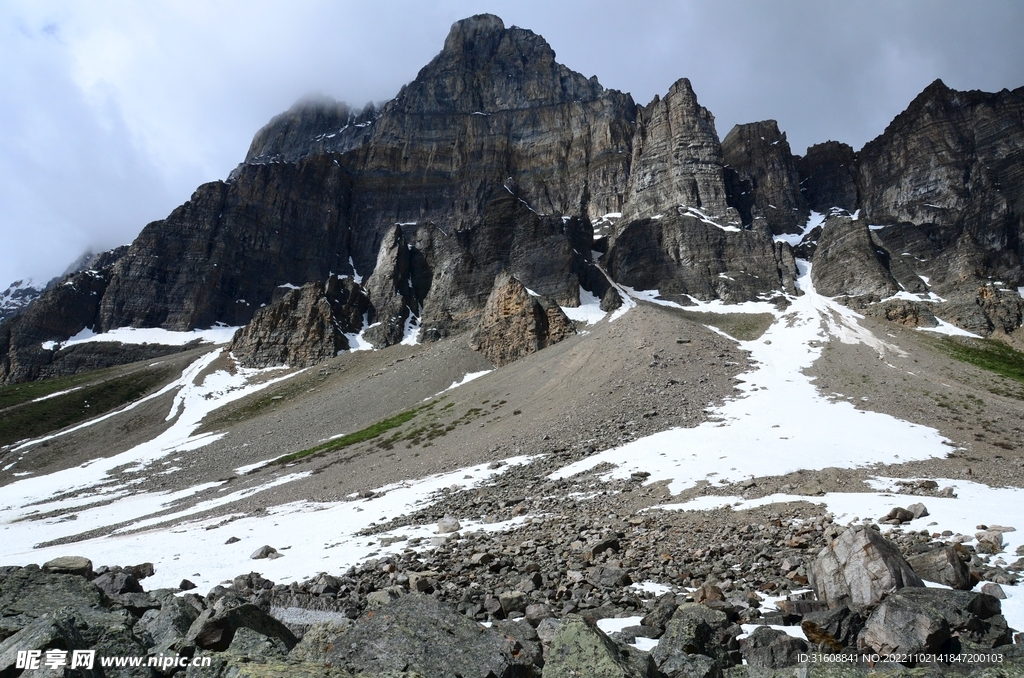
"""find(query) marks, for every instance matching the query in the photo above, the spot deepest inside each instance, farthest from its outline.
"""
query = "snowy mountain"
(18, 295)
(513, 373)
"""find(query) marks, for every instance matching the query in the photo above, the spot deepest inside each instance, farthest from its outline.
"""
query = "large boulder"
(772, 649)
(27, 593)
(50, 631)
(858, 568)
(696, 630)
(515, 323)
(215, 628)
(165, 628)
(833, 630)
(418, 633)
(942, 566)
(581, 650)
(69, 565)
(935, 620)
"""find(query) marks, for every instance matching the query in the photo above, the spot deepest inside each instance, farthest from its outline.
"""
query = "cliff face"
(493, 134)
(677, 159)
(828, 177)
(222, 254)
(498, 158)
(953, 164)
(760, 155)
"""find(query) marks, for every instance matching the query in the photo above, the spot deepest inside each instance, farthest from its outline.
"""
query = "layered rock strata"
(496, 157)
(759, 154)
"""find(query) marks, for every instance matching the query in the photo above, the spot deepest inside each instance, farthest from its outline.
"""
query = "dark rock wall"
(954, 160)
(846, 261)
(760, 155)
(685, 255)
(222, 254)
(828, 177)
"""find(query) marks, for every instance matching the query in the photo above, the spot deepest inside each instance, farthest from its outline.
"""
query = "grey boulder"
(942, 566)
(858, 568)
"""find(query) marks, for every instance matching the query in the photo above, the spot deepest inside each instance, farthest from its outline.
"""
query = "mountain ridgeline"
(498, 159)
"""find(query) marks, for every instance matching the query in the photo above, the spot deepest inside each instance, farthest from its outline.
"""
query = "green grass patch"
(741, 326)
(17, 394)
(362, 435)
(987, 354)
(30, 420)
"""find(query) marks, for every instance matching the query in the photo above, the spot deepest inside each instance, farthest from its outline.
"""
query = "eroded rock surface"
(515, 323)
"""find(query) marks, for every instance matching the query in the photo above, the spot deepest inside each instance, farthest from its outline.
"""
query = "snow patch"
(219, 334)
(58, 393)
(589, 311)
(468, 377)
(186, 547)
(705, 218)
(410, 337)
(794, 239)
(948, 329)
(758, 434)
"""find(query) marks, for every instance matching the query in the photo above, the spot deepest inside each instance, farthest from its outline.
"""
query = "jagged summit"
(485, 67)
(498, 158)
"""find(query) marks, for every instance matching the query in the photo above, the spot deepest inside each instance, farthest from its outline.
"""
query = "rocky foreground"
(532, 603)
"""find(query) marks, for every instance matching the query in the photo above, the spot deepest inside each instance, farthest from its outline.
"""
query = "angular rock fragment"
(935, 620)
(696, 630)
(835, 629)
(514, 323)
(771, 649)
(70, 565)
(580, 649)
(424, 635)
(858, 568)
(942, 566)
(215, 628)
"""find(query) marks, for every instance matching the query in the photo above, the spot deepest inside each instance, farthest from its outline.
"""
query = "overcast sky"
(113, 112)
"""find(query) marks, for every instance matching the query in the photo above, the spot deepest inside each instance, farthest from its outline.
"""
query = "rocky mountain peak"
(760, 155)
(677, 158)
(476, 33)
(485, 67)
(313, 123)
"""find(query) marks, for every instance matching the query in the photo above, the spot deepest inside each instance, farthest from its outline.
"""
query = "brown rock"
(302, 328)
(515, 323)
